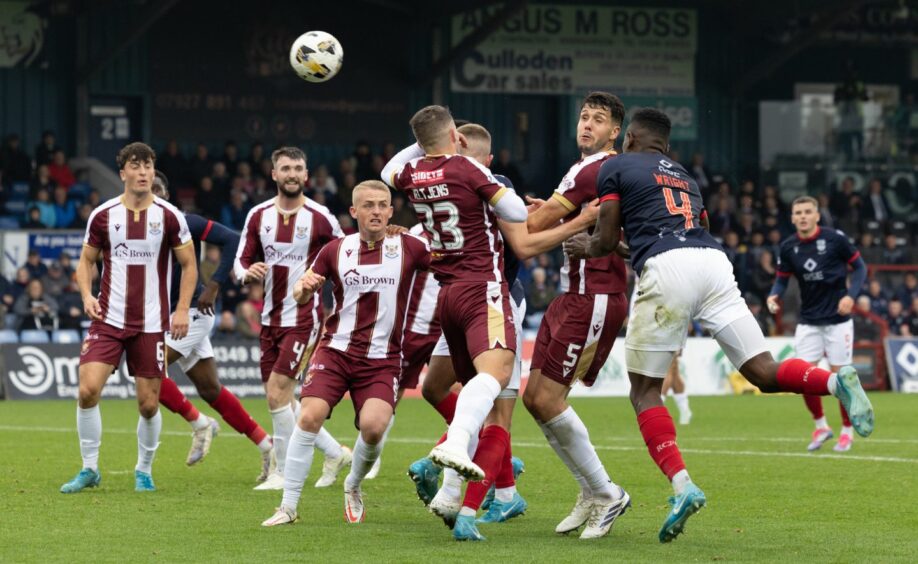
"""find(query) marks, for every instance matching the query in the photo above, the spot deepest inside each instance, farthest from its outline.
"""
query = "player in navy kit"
(819, 258)
(685, 275)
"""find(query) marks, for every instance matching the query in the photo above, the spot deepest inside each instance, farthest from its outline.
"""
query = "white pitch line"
(430, 441)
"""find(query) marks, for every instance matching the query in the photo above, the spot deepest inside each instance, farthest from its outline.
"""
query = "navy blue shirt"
(511, 261)
(203, 229)
(660, 202)
(820, 264)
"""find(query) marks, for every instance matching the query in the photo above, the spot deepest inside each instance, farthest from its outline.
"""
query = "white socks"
(201, 422)
(148, 441)
(283, 421)
(365, 455)
(89, 430)
(832, 384)
(329, 446)
(452, 483)
(299, 459)
(266, 444)
(574, 439)
(680, 480)
(821, 423)
(475, 402)
(585, 490)
(681, 402)
(504, 495)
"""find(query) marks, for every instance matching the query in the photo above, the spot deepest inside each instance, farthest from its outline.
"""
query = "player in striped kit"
(135, 235)
(361, 351)
(280, 238)
(195, 355)
(580, 326)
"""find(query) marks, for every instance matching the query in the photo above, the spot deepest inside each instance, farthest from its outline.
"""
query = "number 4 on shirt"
(684, 208)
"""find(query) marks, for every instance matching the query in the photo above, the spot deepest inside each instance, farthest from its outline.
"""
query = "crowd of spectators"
(750, 220)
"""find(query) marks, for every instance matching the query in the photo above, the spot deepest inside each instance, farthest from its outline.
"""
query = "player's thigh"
(146, 355)
(809, 343)
(839, 340)
(478, 318)
(100, 353)
(416, 351)
(369, 385)
(663, 308)
(496, 362)
(373, 419)
(742, 340)
(439, 379)
(203, 374)
(313, 413)
(279, 390)
(327, 377)
(147, 390)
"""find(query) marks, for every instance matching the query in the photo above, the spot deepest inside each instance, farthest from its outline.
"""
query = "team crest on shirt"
(391, 251)
(821, 246)
(301, 232)
(155, 227)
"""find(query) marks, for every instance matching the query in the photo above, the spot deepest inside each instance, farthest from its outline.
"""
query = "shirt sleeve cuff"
(568, 205)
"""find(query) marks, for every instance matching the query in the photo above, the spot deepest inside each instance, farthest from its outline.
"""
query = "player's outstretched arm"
(84, 275)
(214, 233)
(189, 263)
(306, 286)
(527, 245)
(606, 235)
(398, 162)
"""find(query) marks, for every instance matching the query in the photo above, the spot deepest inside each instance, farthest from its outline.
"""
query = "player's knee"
(761, 373)
(373, 430)
(148, 407)
(309, 421)
(89, 395)
(433, 393)
(542, 405)
(277, 397)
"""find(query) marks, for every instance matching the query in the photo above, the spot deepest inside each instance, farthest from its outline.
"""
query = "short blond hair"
(804, 200)
(370, 185)
(430, 125)
(479, 140)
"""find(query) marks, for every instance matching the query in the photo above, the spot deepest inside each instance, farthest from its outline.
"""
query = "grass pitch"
(768, 499)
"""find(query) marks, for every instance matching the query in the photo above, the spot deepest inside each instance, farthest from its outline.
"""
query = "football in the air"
(316, 56)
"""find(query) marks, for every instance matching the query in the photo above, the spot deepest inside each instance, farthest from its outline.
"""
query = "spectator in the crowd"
(345, 166)
(388, 151)
(15, 163)
(201, 164)
(65, 212)
(42, 181)
(44, 152)
(503, 165)
(35, 308)
(771, 208)
(865, 328)
(746, 227)
(892, 252)
(910, 329)
(876, 206)
(248, 313)
(909, 289)
(734, 253)
(33, 219)
(320, 180)
(66, 263)
(849, 96)
(174, 165)
(363, 162)
(762, 277)
(233, 214)
(262, 193)
(244, 177)
(773, 240)
(540, 292)
(746, 205)
(42, 201)
(346, 189)
(879, 299)
(347, 223)
(869, 248)
(70, 310)
(377, 164)
(207, 200)
(895, 316)
(230, 157)
(210, 263)
(94, 198)
(825, 213)
(547, 263)
(8, 295)
(55, 281)
(402, 213)
(724, 192)
(34, 265)
(221, 180)
(256, 155)
(845, 204)
(766, 322)
(82, 218)
(60, 171)
(266, 168)
(701, 173)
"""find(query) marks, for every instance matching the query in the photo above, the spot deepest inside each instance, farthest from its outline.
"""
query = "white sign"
(548, 49)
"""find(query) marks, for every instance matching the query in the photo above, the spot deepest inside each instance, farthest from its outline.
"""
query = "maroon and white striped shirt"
(371, 285)
(286, 244)
(136, 250)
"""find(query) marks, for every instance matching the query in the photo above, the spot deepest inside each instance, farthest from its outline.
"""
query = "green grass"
(767, 498)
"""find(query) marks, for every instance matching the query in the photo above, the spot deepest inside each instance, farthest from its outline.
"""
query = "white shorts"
(513, 388)
(195, 345)
(833, 342)
(676, 287)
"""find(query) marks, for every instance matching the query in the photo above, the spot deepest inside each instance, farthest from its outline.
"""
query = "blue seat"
(79, 191)
(16, 207)
(10, 320)
(34, 336)
(65, 336)
(8, 222)
(8, 336)
(19, 191)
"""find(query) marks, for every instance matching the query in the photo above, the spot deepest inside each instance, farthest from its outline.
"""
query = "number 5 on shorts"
(573, 351)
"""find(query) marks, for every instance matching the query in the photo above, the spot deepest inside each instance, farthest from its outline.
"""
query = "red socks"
(175, 401)
(801, 377)
(447, 407)
(505, 476)
(814, 404)
(660, 437)
(230, 408)
(494, 443)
